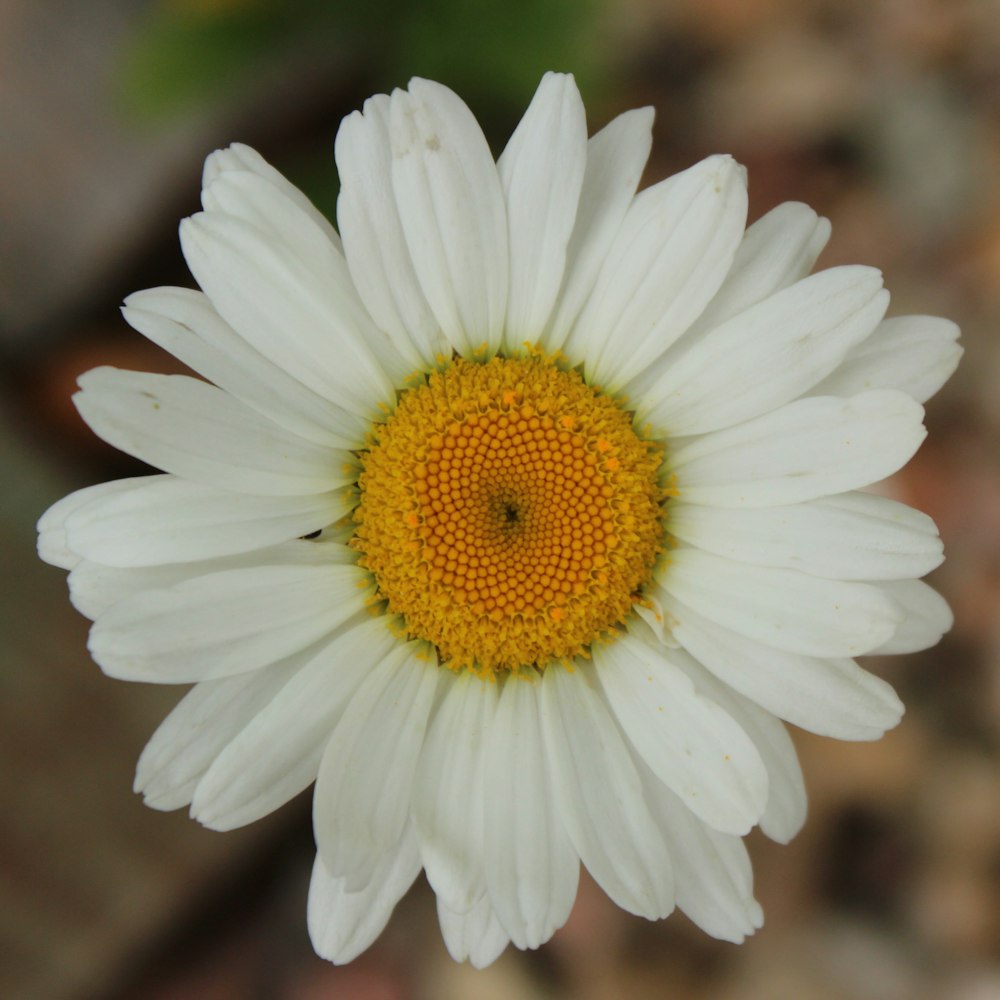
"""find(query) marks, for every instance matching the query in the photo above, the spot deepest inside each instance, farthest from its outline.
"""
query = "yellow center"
(509, 513)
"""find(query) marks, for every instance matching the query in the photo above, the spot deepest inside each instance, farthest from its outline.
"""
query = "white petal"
(184, 322)
(673, 249)
(783, 608)
(928, 617)
(362, 801)
(277, 753)
(768, 355)
(189, 428)
(203, 722)
(689, 741)
(342, 924)
(541, 172)
(241, 157)
(474, 935)
(452, 211)
(712, 873)
(449, 791)
(163, 519)
(786, 798)
(810, 448)
(831, 697)
(915, 354)
(850, 536)
(531, 868)
(225, 623)
(293, 303)
(599, 795)
(616, 157)
(52, 542)
(95, 587)
(778, 250)
(377, 256)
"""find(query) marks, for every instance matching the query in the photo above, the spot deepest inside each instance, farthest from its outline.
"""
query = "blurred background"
(884, 115)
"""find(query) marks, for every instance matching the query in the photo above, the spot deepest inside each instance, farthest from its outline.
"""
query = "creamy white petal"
(377, 255)
(184, 322)
(364, 788)
(915, 354)
(203, 722)
(599, 795)
(449, 791)
(452, 212)
(541, 172)
(786, 799)
(850, 536)
(767, 355)
(294, 303)
(670, 255)
(532, 870)
(225, 623)
(690, 742)
(783, 608)
(779, 249)
(53, 545)
(928, 616)
(277, 753)
(616, 157)
(242, 157)
(164, 519)
(95, 587)
(829, 696)
(810, 448)
(194, 430)
(342, 924)
(474, 935)
(712, 873)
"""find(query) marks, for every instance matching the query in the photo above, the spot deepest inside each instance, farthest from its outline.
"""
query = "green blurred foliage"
(190, 54)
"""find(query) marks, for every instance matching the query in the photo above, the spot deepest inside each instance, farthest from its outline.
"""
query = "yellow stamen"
(509, 513)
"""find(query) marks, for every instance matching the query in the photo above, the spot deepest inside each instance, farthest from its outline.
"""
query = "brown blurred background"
(884, 115)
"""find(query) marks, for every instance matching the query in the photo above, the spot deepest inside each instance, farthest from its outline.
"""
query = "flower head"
(517, 514)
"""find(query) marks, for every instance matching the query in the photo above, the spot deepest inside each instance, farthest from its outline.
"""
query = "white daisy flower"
(517, 515)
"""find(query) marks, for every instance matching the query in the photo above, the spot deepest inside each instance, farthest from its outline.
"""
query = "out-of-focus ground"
(885, 116)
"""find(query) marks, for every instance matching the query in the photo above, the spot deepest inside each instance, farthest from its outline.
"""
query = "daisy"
(517, 513)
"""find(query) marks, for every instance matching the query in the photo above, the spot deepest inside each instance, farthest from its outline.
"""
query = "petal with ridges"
(532, 870)
(225, 623)
(809, 448)
(452, 212)
(616, 157)
(52, 540)
(449, 790)
(377, 256)
(672, 251)
(691, 743)
(781, 607)
(189, 428)
(164, 519)
(928, 616)
(599, 795)
(342, 924)
(712, 873)
(914, 354)
(850, 536)
(474, 935)
(541, 172)
(199, 728)
(295, 304)
(829, 696)
(364, 789)
(277, 754)
(767, 355)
